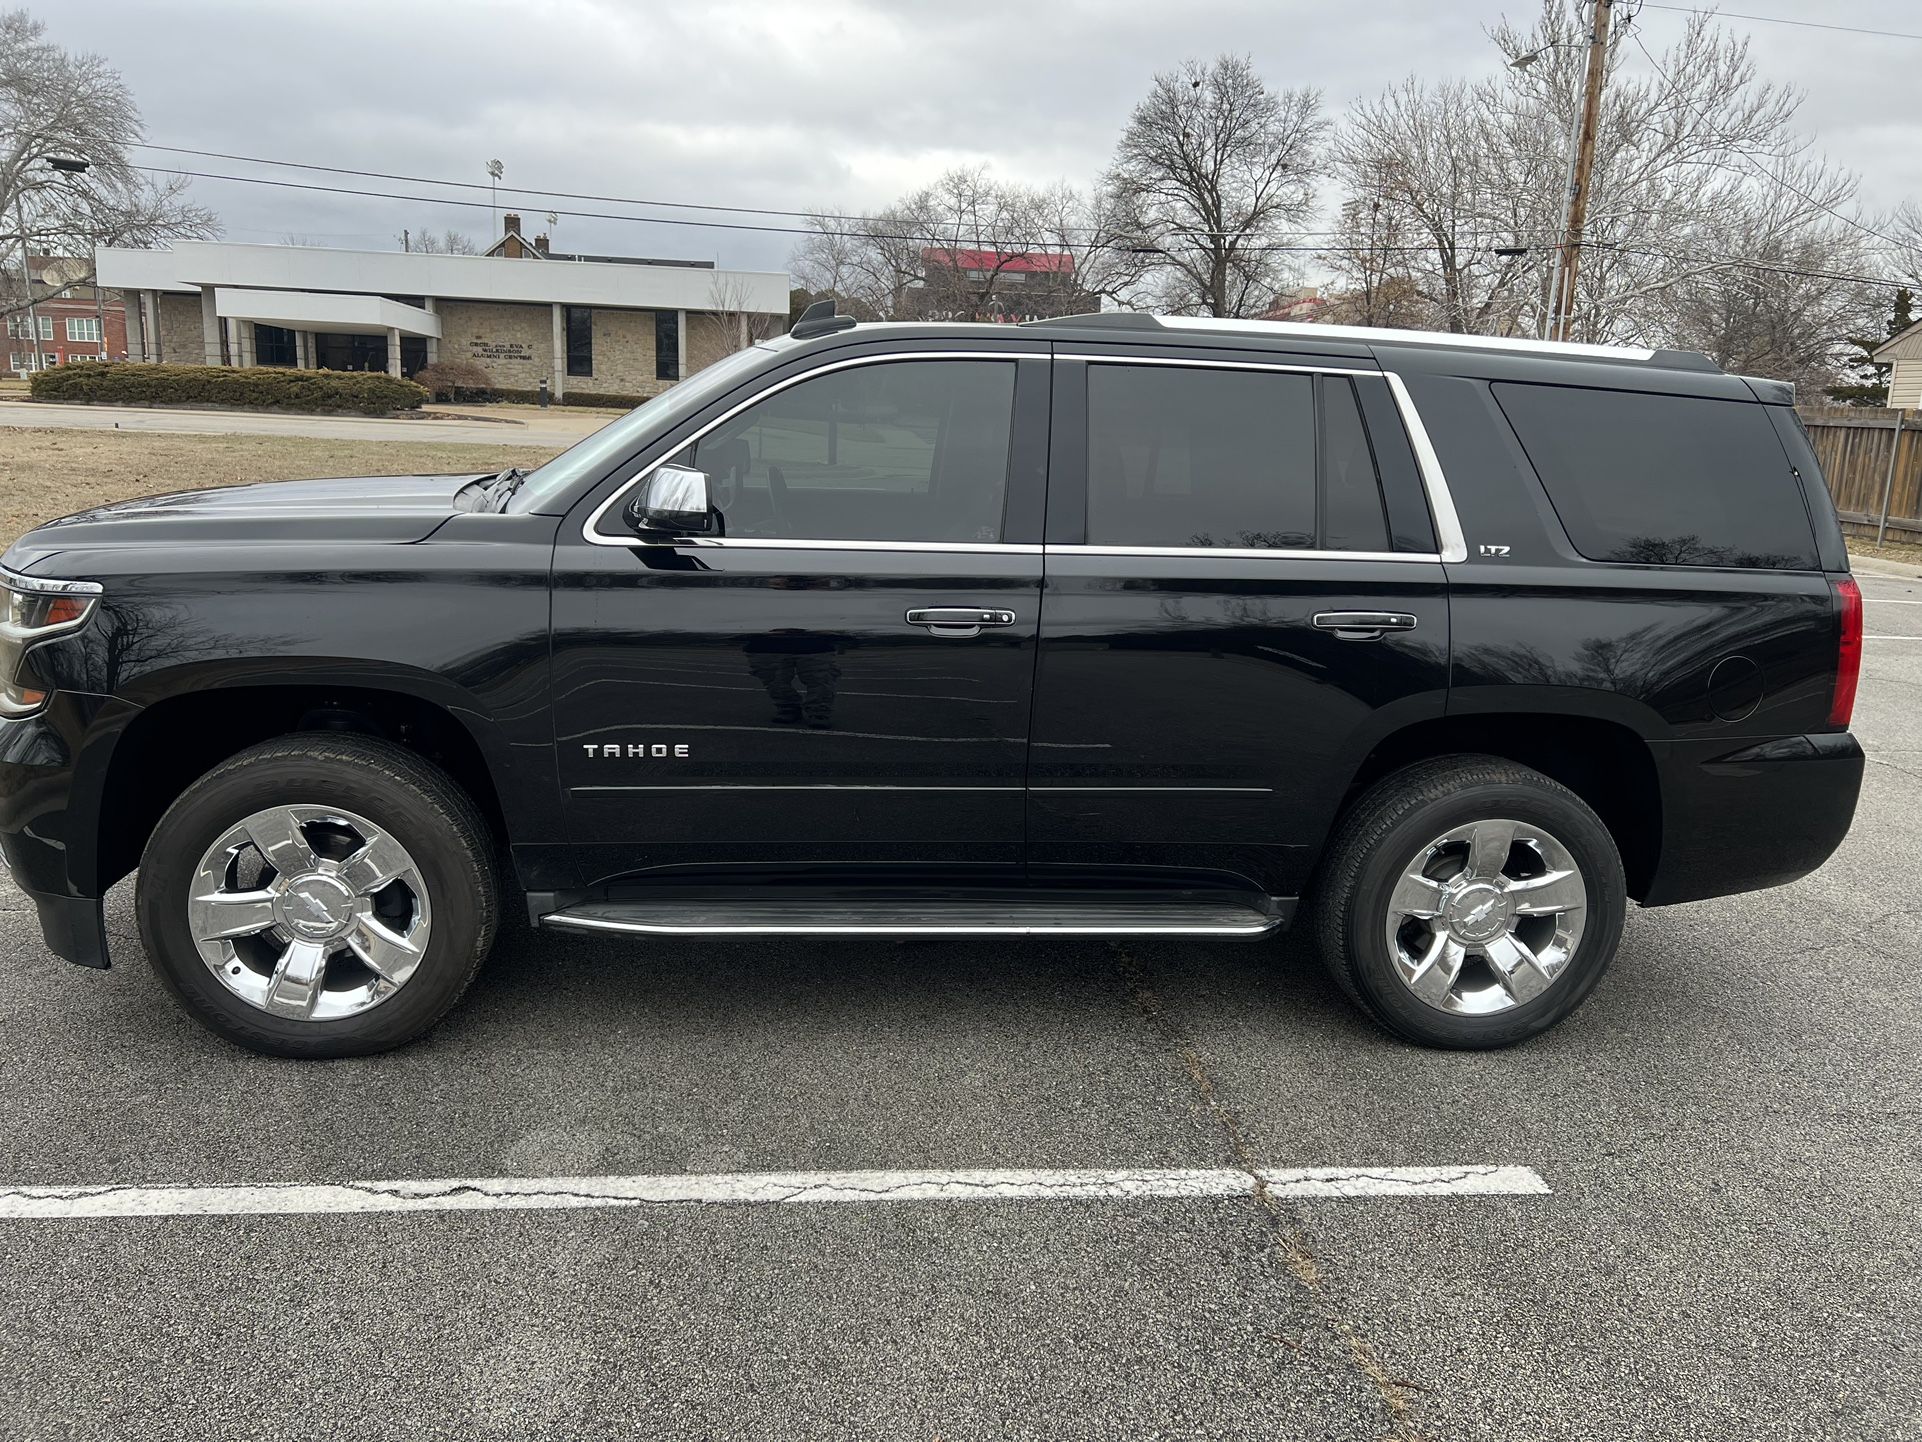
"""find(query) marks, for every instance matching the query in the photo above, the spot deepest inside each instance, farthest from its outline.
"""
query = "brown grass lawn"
(48, 473)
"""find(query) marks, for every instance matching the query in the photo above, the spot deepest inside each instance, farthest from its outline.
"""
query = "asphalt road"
(514, 426)
(1729, 1129)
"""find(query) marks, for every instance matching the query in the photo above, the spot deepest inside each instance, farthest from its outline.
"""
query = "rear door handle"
(1363, 625)
(960, 622)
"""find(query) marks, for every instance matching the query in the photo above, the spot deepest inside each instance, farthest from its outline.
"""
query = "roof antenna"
(820, 319)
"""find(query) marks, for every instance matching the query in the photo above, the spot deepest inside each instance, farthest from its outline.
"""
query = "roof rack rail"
(1379, 335)
(1102, 320)
(820, 319)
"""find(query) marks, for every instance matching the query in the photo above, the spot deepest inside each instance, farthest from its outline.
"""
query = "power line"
(511, 189)
(530, 190)
(1780, 20)
(1731, 262)
(951, 242)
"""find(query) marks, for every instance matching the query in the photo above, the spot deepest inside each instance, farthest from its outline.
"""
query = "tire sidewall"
(1562, 816)
(448, 867)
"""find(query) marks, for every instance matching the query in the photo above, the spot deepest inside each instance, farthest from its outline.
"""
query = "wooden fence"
(1853, 445)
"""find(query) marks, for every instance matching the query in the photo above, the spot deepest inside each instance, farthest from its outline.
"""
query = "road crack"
(1285, 1226)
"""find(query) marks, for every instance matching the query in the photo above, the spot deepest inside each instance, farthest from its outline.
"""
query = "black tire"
(416, 803)
(1387, 828)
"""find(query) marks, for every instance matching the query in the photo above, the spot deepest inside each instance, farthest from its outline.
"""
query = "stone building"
(597, 325)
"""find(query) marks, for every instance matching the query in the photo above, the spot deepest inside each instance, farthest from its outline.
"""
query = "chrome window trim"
(590, 528)
(1441, 502)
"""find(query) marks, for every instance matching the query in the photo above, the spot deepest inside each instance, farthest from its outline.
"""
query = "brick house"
(76, 320)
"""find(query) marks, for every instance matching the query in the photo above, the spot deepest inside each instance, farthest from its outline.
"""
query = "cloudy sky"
(834, 104)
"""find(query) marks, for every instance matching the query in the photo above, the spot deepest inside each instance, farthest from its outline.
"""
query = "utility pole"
(1584, 168)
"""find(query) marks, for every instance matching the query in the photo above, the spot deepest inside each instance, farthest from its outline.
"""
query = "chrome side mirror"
(673, 499)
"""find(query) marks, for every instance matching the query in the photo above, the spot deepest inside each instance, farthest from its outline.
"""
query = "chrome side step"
(1183, 915)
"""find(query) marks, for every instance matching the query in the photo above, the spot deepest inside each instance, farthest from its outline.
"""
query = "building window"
(20, 327)
(84, 328)
(580, 341)
(667, 345)
(275, 345)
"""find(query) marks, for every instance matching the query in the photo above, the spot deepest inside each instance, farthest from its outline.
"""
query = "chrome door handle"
(1363, 625)
(960, 622)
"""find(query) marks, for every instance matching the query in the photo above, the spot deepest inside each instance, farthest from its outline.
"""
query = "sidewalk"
(515, 425)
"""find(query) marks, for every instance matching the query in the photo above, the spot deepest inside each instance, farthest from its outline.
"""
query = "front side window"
(1190, 457)
(896, 451)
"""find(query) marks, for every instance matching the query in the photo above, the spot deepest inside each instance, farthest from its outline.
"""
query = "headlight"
(36, 610)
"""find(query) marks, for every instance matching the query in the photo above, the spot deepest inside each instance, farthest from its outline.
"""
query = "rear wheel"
(1470, 902)
(319, 895)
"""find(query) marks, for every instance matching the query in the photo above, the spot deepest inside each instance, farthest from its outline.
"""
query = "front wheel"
(319, 895)
(1470, 902)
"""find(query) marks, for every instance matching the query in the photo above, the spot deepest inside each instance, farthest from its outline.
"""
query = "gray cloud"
(827, 103)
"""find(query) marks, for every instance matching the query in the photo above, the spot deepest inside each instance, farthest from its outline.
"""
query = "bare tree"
(59, 106)
(1214, 173)
(967, 245)
(448, 242)
(729, 324)
(1702, 187)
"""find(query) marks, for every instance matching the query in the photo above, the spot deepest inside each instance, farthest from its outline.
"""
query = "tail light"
(1848, 651)
(35, 609)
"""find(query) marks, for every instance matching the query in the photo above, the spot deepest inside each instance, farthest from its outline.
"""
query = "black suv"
(1105, 625)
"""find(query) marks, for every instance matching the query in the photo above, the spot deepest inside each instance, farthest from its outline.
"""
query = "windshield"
(546, 489)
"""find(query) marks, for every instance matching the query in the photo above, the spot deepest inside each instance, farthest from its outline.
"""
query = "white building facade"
(605, 326)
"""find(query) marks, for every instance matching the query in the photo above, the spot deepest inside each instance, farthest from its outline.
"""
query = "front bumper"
(1753, 817)
(48, 821)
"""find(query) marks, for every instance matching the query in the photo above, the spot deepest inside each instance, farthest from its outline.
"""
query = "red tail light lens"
(1848, 654)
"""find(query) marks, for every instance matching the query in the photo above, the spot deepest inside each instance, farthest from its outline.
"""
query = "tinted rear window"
(1663, 480)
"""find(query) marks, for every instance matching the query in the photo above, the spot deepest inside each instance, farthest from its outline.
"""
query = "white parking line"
(479, 1194)
(1892, 638)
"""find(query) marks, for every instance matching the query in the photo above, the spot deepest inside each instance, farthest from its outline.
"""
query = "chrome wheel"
(1486, 917)
(309, 912)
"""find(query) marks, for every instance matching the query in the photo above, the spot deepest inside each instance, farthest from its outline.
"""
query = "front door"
(843, 675)
(1243, 597)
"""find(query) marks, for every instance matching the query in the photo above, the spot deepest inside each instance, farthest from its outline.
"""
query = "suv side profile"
(1114, 624)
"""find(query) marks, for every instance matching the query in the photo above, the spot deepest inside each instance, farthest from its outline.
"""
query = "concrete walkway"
(529, 427)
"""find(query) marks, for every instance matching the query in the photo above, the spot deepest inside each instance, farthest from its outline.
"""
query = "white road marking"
(1891, 601)
(1892, 638)
(470, 1194)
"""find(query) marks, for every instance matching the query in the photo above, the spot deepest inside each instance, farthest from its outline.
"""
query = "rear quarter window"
(1663, 480)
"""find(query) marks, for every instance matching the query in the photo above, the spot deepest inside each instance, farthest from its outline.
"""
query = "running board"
(1184, 915)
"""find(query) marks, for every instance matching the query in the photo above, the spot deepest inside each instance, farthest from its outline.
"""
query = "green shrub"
(265, 387)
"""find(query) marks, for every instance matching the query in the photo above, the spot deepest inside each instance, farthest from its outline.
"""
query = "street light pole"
(26, 278)
(66, 166)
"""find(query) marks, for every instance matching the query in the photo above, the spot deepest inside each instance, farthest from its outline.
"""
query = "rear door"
(1244, 594)
(844, 675)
